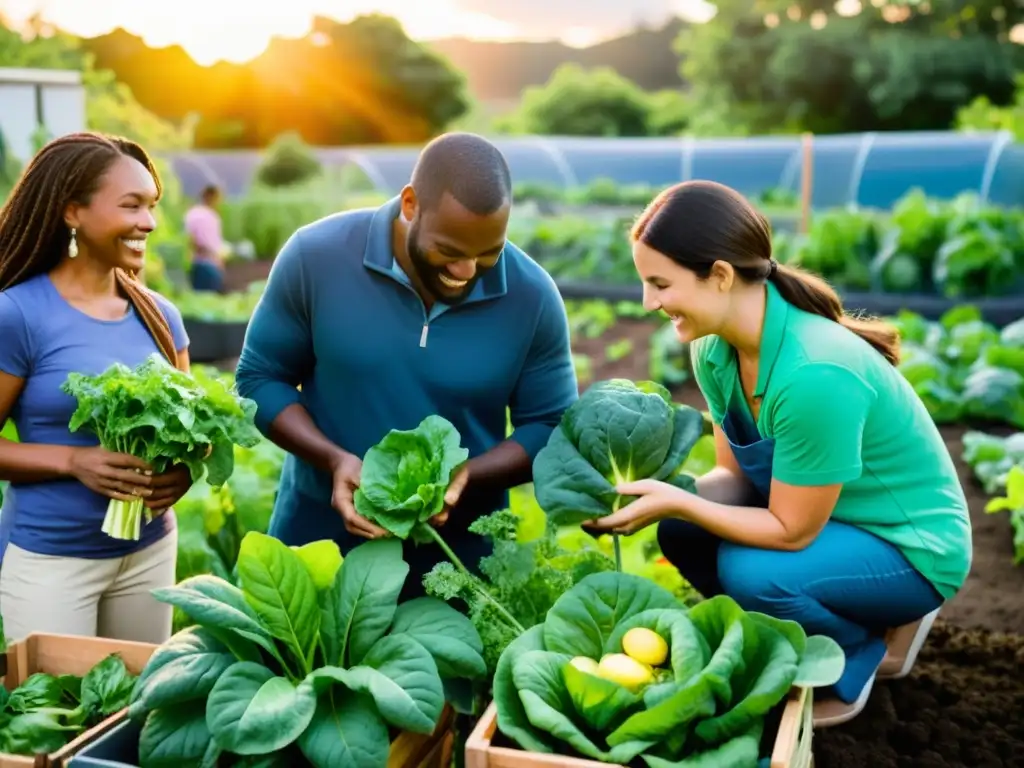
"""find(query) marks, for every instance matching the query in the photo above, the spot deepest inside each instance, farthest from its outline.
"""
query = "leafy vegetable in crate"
(45, 712)
(165, 417)
(620, 671)
(618, 431)
(308, 661)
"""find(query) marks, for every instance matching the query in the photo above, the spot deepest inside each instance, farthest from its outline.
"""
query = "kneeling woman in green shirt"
(834, 502)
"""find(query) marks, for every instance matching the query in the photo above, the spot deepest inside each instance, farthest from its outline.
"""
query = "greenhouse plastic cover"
(866, 169)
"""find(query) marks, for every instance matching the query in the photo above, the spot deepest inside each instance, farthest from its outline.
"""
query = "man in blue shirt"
(374, 319)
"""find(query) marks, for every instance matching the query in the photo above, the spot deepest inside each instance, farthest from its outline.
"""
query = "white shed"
(53, 98)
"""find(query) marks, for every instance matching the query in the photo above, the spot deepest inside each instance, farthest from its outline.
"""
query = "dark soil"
(963, 704)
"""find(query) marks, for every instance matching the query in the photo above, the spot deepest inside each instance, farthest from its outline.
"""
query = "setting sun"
(239, 30)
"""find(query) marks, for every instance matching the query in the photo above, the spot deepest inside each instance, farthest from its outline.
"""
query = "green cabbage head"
(618, 431)
(726, 670)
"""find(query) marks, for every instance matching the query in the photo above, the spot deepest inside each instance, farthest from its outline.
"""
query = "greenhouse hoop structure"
(862, 169)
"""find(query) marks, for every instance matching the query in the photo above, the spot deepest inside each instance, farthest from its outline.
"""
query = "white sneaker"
(829, 712)
(904, 644)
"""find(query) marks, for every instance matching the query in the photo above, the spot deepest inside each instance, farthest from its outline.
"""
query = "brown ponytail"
(150, 314)
(697, 223)
(810, 293)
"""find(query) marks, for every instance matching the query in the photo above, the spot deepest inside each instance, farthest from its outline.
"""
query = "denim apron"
(753, 453)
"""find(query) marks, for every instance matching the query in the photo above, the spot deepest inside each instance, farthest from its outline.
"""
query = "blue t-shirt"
(45, 339)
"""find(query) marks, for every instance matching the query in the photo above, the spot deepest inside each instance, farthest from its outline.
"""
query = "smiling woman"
(72, 236)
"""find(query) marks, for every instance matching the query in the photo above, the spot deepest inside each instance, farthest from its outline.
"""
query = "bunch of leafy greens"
(524, 577)
(405, 477)
(728, 669)
(403, 484)
(311, 661)
(618, 431)
(165, 417)
(47, 711)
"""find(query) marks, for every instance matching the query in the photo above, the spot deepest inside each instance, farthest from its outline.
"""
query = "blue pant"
(848, 584)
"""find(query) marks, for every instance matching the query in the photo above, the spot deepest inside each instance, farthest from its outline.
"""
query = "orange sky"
(238, 30)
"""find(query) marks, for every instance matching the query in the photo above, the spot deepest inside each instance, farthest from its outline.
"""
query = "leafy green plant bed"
(963, 368)
(311, 661)
(955, 250)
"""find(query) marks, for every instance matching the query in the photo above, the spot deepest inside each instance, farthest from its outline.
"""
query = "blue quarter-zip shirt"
(340, 330)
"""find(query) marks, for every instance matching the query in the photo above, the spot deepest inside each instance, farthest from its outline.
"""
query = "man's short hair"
(466, 166)
(210, 190)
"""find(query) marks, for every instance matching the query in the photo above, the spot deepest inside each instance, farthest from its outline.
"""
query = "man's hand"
(460, 479)
(346, 479)
(168, 488)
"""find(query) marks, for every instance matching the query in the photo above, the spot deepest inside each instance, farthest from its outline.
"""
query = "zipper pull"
(423, 335)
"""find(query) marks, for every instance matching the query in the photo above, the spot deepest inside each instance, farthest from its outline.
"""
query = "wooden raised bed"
(792, 743)
(67, 655)
(119, 747)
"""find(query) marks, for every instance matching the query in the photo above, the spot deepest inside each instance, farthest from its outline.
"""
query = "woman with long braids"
(834, 501)
(72, 237)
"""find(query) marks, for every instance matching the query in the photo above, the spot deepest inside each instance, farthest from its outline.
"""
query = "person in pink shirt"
(203, 225)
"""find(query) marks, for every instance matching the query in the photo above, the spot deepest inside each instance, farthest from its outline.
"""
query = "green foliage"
(165, 417)
(983, 115)
(1013, 504)
(284, 669)
(617, 432)
(287, 161)
(406, 475)
(963, 368)
(47, 711)
(959, 248)
(596, 102)
(526, 576)
(776, 66)
(728, 670)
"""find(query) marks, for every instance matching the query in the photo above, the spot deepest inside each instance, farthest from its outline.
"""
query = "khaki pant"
(78, 596)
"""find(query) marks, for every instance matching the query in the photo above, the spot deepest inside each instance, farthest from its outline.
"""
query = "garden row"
(294, 656)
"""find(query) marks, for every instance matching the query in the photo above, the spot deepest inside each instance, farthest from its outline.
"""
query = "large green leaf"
(251, 711)
(401, 678)
(215, 604)
(448, 635)
(177, 736)
(512, 719)
(345, 730)
(183, 669)
(277, 585)
(363, 600)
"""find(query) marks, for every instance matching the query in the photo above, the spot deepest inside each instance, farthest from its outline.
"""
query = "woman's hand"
(657, 500)
(168, 488)
(114, 475)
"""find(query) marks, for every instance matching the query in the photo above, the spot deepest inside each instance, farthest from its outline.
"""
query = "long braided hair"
(33, 235)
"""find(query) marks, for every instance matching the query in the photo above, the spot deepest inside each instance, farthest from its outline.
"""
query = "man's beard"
(429, 275)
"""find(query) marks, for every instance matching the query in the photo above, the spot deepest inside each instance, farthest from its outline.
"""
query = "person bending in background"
(373, 320)
(72, 235)
(834, 502)
(203, 226)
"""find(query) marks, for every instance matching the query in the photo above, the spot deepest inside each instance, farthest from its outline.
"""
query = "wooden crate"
(418, 750)
(67, 655)
(792, 744)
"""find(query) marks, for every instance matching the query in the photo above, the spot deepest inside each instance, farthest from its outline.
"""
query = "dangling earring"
(73, 245)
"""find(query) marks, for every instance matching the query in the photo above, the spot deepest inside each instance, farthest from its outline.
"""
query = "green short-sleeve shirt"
(840, 413)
